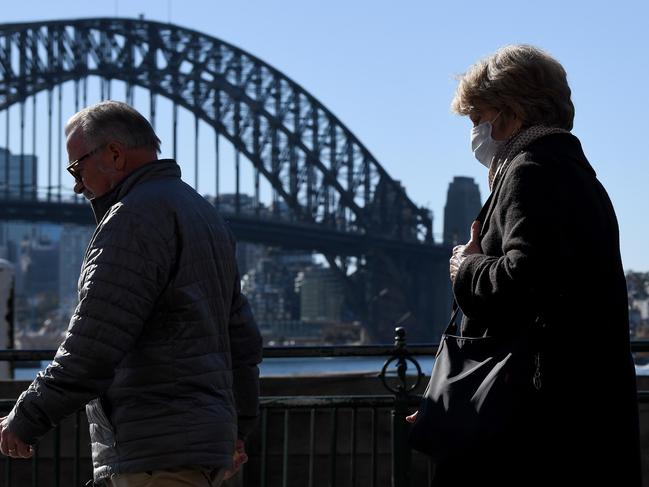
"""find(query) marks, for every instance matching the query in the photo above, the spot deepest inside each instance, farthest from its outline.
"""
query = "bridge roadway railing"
(301, 440)
(266, 228)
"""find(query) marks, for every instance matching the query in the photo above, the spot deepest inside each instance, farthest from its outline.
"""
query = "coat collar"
(158, 169)
(564, 143)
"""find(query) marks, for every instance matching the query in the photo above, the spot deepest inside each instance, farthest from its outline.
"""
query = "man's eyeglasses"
(72, 167)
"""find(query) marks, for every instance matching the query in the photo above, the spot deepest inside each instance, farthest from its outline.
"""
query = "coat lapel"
(488, 208)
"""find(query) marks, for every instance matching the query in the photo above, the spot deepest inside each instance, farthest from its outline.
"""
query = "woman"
(547, 249)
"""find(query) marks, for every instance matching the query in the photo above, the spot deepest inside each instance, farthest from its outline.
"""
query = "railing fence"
(312, 441)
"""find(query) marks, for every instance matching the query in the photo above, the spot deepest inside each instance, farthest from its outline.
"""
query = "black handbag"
(478, 394)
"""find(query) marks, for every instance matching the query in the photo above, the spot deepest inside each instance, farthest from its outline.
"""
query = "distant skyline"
(387, 70)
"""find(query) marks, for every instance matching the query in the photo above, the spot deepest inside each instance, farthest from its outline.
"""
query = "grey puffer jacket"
(162, 345)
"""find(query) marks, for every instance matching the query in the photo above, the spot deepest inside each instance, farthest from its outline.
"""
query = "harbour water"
(309, 366)
(300, 366)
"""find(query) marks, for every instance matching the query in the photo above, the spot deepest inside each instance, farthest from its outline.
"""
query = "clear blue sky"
(387, 68)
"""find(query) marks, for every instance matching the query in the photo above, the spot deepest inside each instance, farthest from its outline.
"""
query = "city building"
(322, 295)
(16, 239)
(248, 254)
(227, 203)
(270, 289)
(72, 247)
(638, 294)
(39, 258)
(462, 207)
(18, 174)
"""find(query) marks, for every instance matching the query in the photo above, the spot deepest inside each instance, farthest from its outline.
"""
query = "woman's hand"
(460, 252)
(413, 417)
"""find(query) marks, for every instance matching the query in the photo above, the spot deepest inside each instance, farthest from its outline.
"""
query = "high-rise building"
(322, 295)
(462, 207)
(270, 289)
(42, 266)
(16, 242)
(18, 174)
(72, 246)
(248, 254)
(638, 292)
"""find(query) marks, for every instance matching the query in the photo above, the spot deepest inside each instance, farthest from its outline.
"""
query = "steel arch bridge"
(329, 193)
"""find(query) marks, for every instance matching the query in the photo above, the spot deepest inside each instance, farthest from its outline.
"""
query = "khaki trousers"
(174, 477)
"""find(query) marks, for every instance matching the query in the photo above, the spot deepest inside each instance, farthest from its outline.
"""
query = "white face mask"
(483, 145)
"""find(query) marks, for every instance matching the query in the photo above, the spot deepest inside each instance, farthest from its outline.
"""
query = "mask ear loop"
(515, 131)
(493, 171)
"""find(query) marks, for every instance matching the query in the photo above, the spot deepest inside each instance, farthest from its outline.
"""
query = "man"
(162, 346)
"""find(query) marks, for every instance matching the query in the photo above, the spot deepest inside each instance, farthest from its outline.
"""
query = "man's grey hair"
(113, 121)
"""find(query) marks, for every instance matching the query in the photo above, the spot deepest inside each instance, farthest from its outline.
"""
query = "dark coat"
(162, 344)
(551, 250)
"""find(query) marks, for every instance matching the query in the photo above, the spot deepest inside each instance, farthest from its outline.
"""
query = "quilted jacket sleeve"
(246, 348)
(125, 270)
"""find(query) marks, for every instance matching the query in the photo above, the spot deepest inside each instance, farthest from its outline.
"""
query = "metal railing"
(309, 441)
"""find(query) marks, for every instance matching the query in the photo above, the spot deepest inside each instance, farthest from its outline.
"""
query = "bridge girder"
(315, 164)
(341, 201)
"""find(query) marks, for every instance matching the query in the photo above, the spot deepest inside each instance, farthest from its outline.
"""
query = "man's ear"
(117, 153)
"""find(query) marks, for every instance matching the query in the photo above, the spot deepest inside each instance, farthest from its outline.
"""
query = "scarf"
(514, 146)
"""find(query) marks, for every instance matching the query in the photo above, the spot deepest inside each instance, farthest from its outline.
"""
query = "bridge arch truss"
(315, 165)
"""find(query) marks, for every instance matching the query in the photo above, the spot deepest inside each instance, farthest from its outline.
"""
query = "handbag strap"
(451, 328)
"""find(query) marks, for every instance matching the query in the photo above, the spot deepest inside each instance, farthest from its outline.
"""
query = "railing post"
(400, 448)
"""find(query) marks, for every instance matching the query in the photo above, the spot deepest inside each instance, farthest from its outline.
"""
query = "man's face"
(94, 172)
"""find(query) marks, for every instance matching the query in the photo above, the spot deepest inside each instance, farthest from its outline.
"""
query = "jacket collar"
(158, 169)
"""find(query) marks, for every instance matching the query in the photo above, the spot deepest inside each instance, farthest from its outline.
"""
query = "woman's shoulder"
(525, 166)
(558, 151)
(548, 147)
(554, 155)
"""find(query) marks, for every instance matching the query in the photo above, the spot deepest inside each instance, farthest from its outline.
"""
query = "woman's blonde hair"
(521, 80)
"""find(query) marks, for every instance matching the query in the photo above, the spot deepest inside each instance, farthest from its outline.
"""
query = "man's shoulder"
(150, 206)
(159, 198)
(168, 205)
(155, 191)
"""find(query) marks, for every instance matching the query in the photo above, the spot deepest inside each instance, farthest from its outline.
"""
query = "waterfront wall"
(348, 439)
